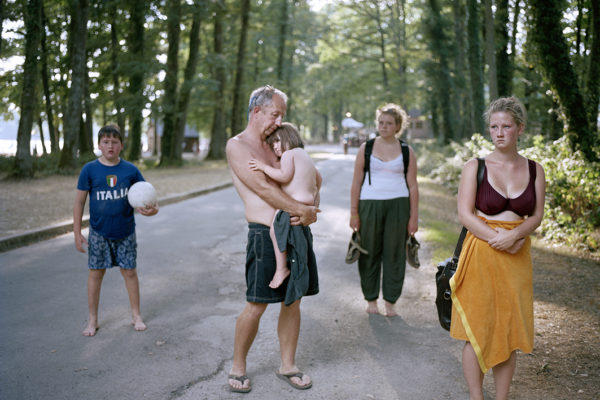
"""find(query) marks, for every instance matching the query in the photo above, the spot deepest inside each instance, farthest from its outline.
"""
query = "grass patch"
(438, 219)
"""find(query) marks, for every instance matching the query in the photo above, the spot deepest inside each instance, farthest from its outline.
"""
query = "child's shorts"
(105, 253)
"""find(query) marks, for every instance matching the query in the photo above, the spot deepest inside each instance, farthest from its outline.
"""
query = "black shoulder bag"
(447, 268)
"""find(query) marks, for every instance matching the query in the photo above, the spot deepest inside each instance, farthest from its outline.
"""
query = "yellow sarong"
(492, 299)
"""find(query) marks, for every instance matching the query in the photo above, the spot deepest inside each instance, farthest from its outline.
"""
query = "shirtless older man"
(261, 197)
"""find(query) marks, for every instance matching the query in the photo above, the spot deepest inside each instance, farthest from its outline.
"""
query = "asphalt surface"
(191, 267)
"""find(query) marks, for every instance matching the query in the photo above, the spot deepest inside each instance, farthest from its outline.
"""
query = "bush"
(448, 172)
(572, 208)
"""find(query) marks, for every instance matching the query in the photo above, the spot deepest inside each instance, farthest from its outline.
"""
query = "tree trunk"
(475, 67)
(23, 165)
(1, 20)
(443, 89)
(283, 23)
(490, 50)
(41, 126)
(114, 63)
(172, 68)
(188, 79)
(515, 28)
(553, 51)
(54, 148)
(593, 74)
(136, 79)
(68, 155)
(87, 145)
(382, 59)
(237, 109)
(218, 133)
(461, 98)
(503, 61)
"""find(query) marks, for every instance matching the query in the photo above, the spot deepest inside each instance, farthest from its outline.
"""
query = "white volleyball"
(142, 194)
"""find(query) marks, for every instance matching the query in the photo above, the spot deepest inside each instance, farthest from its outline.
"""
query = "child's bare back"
(304, 184)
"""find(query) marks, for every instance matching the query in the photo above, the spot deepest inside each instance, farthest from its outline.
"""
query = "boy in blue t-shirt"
(111, 239)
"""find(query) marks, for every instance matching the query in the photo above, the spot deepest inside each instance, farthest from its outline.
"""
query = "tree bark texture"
(172, 69)
(503, 61)
(23, 165)
(218, 132)
(553, 52)
(1, 20)
(475, 67)
(593, 74)
(136, 79)
(237, 112)
(69, 153)
(54, 147)
(461, 97)
(188, 79)
(283, 23)
(114, 63)
(490, 50)
(439, 50)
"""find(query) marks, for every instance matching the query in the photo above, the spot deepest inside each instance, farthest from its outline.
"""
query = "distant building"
(191, 138)
(419, 126)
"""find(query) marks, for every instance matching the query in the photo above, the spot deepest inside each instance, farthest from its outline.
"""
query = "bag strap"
(463, 232)
(369, 150)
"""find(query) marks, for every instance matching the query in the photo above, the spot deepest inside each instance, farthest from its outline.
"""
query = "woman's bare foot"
(91, 328)
(296, 379)
(279, 277)
(238, 383)
(389, 310)
(372, 307)
(138, 323)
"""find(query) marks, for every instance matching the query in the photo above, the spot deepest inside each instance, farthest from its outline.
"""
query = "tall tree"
(171, 71)
(503, 61)
(23, 166)
(136, 77)
(490, 49)
(593, 73)
(78, 35)
(115, 64)
(46, 85)
(438, 43)
(283, 24)
(382, 46)
(553, 52)
(475, 67)
(1, 21)
(461, 97)
(218, 134)
(188, 78)
(237, 109)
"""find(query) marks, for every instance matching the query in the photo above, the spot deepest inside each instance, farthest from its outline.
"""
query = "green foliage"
(448, 172)
(572, 209)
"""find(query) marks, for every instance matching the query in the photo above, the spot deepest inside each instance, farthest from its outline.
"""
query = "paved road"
(191, 258)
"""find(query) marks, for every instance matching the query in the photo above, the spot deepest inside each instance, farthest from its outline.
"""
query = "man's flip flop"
(240, 379)
(288, 379)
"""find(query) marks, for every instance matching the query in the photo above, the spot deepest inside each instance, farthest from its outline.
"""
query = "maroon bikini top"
(490, 202)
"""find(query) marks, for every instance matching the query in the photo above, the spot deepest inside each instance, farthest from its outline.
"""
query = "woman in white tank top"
(384, 210)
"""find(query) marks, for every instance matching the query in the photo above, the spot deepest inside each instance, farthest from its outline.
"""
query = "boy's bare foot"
(278, 278)
(138, 323)
(372, 307)
(389, 310)
(91, 329)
